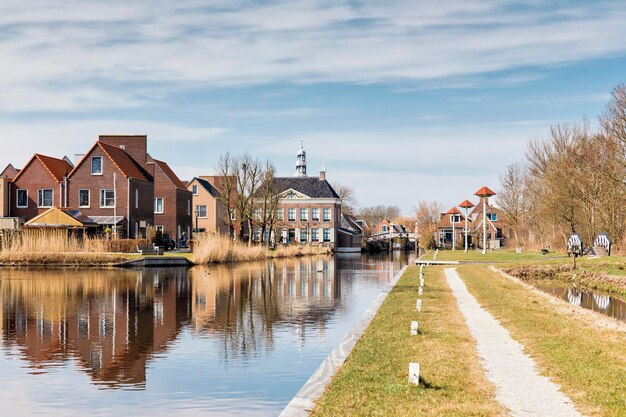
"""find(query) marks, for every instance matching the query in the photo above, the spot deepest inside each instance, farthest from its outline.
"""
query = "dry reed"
(53, 247)
(214, 248)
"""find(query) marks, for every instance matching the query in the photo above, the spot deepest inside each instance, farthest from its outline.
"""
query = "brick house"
(113, 189)
(451, 229)
(40, 185)
(497, 227)
(172, 201)
(209, 213)
(384, 227)
(9, 172)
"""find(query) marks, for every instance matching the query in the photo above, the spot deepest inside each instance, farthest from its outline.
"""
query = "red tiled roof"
(58, 168)
(171, 175)
(484, 192)
(453, 210)
(123, 162)
(466, 204)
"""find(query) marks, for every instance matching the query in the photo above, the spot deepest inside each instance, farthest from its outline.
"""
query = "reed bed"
(41, 247)
(214, 248)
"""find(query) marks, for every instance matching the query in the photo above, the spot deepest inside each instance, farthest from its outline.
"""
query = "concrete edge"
(303, 403)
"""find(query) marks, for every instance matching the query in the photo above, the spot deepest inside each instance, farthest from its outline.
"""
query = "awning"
(106, 220)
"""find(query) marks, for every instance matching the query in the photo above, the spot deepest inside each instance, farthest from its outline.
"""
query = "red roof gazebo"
(466, 205)
(484, 192)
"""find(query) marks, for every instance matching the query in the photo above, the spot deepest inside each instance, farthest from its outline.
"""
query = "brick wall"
(134, 145)
(35, 177)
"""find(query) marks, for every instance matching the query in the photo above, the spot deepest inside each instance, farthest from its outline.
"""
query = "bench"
(148, 250)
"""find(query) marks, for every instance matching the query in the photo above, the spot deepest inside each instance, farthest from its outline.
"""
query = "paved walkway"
(519, 386)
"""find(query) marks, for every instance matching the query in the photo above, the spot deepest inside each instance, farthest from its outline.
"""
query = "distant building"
(451, 229)
(209, 213)
(498, 228)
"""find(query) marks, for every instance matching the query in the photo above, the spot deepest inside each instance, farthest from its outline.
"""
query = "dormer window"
(455, 218)
(492, 216)
(385, 229)
(96, 165)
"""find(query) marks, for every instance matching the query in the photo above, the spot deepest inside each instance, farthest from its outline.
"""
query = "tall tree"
(427, 215)
(511, 197)
(348, 198)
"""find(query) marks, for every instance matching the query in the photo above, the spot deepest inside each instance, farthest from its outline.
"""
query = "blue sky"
(403, 100)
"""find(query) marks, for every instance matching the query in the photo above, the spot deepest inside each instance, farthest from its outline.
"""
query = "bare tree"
(428, 215)
(613, 120)
(376, 214)
(348, 198)
(227, 185)
(511, 197)
(267, 202)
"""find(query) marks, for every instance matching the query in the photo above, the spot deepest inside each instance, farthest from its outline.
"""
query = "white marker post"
(414, 328)
(418, 305)
(420, 292)
(414, 374)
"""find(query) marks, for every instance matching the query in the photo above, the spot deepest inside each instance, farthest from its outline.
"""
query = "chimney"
(322, 173)
(135, 145)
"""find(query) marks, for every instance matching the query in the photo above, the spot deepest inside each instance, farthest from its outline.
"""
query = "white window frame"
(200, 216)
(17, 198)
(315, 235)
(41, 197)
(492, 217)
(256, 214)
(304, 236)
(289, 211)
(103, 198)
(330, 215)
(88, 198)
(315, 214)
(156, 211)
(326, 231)
(233, 215)
(101, 165)
(159, 229)
(280, 214)
(194, 189)
(304, 211)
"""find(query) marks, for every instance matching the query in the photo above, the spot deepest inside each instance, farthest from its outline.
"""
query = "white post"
(114, 205)
(414, 373)
(414, 328)
(453, 232)
(465, 229)
(484, 225)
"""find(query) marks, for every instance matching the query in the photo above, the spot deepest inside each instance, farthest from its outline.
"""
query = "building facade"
(172, 201)
(208, 211)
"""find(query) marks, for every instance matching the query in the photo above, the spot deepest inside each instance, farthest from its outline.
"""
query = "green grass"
(374, 379)
(589, 363)
(490, 256)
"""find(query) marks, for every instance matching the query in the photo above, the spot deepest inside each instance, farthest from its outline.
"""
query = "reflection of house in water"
(110, 323)
(244, 302)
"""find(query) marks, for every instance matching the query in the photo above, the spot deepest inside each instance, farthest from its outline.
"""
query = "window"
(303, 235)
(256, 236)
(280, 214)
(136, 199)
(385, 228)
(315, 214)
(232, 215)
(107, 198)
(158, 228)
(45, 198)
(201, 212)
(492, 216)
(22, 198)
(315, 235)
(158, 205)
(455, 218)
(84, 198)
(304, 214)
(291, 214)
(326, 214)
(194, 189)
(256, 214)
(326, 235)
(96, 165)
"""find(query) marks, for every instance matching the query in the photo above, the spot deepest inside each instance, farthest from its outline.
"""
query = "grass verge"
(490, 256)
(587, 362)
(374, 379)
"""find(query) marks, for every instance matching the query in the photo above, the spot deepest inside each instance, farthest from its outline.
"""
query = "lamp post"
(466, 205)
(197, 216)
(484, 193)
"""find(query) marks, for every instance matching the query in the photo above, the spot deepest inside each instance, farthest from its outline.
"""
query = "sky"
(401, 100)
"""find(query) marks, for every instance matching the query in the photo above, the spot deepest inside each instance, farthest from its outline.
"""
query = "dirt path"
(519, 386)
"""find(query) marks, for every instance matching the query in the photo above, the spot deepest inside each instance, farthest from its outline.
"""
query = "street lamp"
(466, 205)
(197, 216)
(484, 193)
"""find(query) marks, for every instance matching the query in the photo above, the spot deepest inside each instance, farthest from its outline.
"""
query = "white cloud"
(79, 55)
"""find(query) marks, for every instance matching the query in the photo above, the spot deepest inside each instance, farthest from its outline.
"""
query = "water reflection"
(113, 323)
(601, 303)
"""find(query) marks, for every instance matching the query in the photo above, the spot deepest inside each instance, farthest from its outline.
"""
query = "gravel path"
(519, 386)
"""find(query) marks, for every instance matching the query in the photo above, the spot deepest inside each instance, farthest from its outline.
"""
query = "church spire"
(301, 161)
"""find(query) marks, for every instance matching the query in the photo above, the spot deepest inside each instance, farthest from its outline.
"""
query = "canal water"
(236, 340)
(598, 302)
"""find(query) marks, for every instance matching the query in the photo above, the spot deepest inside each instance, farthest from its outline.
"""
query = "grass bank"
(588, 362)
(210, 248)
(490, 256)
(374, 379)
(603, 274)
